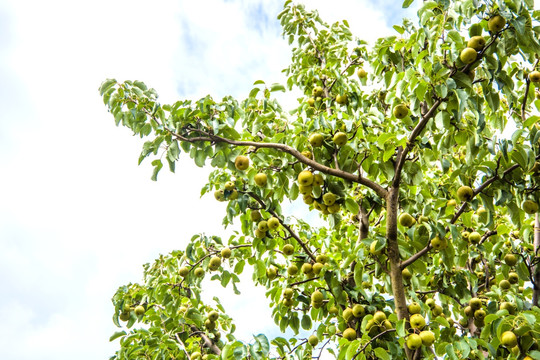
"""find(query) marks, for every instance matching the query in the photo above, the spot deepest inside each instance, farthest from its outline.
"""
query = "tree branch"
(206, 340)
(183, 346)
(370, 341)
(460, 211)
(402, 156)
(416, 256)
(527, 83)
(287, 227)
(382, 192)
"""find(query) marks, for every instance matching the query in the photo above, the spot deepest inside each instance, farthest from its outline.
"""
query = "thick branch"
(536, 268)
(206, 340)
(382, 192)
(410, 142)
(416, 256)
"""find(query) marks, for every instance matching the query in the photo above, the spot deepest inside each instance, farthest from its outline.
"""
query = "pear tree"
(420, 153)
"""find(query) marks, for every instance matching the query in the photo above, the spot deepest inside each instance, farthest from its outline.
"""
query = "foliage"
(462, 125)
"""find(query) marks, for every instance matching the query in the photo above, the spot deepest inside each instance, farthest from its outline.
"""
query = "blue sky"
(78, 217)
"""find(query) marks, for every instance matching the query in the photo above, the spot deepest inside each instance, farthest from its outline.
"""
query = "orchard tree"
(421, 156)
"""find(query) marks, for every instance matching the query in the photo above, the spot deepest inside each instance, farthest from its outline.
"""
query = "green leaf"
(195, 315)
(306, 322)
(352, 206)
(407, 3)
(106, 85)
(381, 353)
(277, 87)
(400, 328)
(253, 93)
(157, 167)
(116, 335)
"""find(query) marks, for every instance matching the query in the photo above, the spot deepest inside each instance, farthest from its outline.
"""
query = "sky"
(78, 216)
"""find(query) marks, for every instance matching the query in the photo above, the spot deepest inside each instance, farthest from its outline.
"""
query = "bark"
(392, 248)
(206, 340)
(363, 225)
(536, 269)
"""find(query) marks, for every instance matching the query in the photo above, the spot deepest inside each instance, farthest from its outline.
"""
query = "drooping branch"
(210, 253)
(286, 226)
(183, 346)
(372, 340)
(487, 235)
(206, 340)
(382, 192)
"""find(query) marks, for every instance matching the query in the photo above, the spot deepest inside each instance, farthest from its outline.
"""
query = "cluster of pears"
(419, 337)
(288, 294)
(228, 192)
(210, 322)
(309, 269)
(317, 95)
(196, 355)
(349, 314)
(436, 309)
(125, 315)
(326, 203)
(477, 43)
(262, 225)
(317, 140)
(199, 271)
(378, 324)
(407, 220)
(317, 299)
(473, 237)
(512, 279)
(476, 311)
(213, 265)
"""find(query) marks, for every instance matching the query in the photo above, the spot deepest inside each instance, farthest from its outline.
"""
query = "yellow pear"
(401, 111)
(496, 23)
(477, 43)
(241, 162)
(468, 55)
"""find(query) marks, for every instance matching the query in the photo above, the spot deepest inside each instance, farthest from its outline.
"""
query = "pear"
(468, 55)
(477, 43)
(241, 162)
(496, 23)
(400, 111)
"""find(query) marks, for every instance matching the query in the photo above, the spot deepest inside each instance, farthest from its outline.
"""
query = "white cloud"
(78, 218)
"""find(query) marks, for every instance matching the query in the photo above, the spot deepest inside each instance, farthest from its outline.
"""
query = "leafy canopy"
(420, 153)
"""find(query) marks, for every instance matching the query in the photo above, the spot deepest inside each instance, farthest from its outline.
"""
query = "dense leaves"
(382, 130)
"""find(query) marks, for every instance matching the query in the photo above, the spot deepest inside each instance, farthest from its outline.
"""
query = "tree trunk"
(392, 248)
(536, 269)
